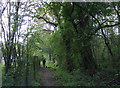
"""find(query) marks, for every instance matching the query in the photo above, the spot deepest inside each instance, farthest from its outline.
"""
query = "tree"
(84, 26)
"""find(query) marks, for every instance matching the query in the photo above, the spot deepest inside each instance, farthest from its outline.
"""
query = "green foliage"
(76, 78)
(34, 83)
(84, 39)
(14, 77)
(37, 81)
(8, 80)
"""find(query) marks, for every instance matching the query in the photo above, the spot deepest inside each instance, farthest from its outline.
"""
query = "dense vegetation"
(80, 40)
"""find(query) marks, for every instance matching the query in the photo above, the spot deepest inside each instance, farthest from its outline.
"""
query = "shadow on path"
(47, 78)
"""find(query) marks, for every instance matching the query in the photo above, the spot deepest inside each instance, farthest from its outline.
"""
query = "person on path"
(44, 61)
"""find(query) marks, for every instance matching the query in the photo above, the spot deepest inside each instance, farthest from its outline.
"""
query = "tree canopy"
(72, 36)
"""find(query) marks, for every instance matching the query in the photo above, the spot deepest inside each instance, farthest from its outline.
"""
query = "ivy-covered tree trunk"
(68, 55)
(7, 63)
(82, 32)
(88, 60)
(66, 37)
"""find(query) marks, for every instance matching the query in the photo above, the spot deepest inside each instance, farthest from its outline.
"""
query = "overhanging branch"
(104, 26)
(52, 23)
(100, 25)
(111, 25)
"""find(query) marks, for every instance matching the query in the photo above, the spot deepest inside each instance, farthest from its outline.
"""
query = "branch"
(104, 26)
(4, 8)
(55, 24)
(100, 24)
(89, 13)
(48, 30)
(111, 25)
(117, 11)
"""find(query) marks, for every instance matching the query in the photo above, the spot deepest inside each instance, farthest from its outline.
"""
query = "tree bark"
(88, 60)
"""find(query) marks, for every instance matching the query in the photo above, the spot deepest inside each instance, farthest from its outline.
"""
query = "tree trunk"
(89, 63)
(69, 61)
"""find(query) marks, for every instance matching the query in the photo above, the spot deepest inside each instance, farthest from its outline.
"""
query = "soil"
(47, 78)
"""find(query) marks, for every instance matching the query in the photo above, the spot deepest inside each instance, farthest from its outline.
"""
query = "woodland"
(79, 40)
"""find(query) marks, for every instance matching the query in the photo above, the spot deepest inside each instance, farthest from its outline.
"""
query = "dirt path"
(47, 78)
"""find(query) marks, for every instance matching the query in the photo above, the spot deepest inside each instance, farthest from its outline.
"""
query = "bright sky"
(24, 24)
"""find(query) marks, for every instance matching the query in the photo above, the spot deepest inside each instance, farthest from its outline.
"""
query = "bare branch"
(111, 25)
(4, 8)
(55, 24)
(100, 24)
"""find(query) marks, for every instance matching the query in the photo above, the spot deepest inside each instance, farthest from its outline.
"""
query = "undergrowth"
(78, 78)
(18, 78)
(36, 82)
